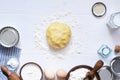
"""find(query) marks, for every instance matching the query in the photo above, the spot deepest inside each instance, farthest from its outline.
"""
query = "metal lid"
(105, 73)
(99, 9)
(9, 36)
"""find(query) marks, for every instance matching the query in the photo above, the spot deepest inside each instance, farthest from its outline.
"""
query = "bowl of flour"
(31, 71)
(79, 73)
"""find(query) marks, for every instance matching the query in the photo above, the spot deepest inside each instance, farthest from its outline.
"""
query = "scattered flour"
(74, 46)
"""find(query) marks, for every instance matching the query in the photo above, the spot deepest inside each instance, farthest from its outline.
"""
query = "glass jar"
(114, 21)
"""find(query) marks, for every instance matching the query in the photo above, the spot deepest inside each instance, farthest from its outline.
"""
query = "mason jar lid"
(99, 9)
(9, 36)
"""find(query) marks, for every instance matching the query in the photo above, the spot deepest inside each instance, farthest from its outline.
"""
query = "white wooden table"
(88, 32)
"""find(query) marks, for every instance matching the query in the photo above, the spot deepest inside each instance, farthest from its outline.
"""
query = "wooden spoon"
(9, 74)
(90, 75)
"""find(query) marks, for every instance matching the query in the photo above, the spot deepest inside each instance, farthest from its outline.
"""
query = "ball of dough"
(58, 35)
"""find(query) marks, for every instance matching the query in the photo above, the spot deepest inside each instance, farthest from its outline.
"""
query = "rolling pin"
(91, 74)
(10, 75)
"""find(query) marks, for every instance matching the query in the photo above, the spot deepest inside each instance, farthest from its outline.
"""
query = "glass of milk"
(114, 21)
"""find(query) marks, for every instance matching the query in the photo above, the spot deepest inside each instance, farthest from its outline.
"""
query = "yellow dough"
(58, 35)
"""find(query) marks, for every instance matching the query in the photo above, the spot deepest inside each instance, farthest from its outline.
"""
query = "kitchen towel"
(5, 55)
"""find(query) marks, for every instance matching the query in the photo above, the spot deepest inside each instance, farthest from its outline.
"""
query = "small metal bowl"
(105, 73)
(31, 63)
(115, 66)
(9, 36)
(81, 66)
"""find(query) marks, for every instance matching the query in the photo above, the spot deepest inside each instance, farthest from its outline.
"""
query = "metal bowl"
(115, 66)
(9, 36)
(105, 73)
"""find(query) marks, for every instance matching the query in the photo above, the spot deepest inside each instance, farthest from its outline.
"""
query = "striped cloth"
(5, 55)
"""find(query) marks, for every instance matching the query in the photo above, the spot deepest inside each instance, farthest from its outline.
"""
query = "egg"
(49, 75)
(61, 74)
